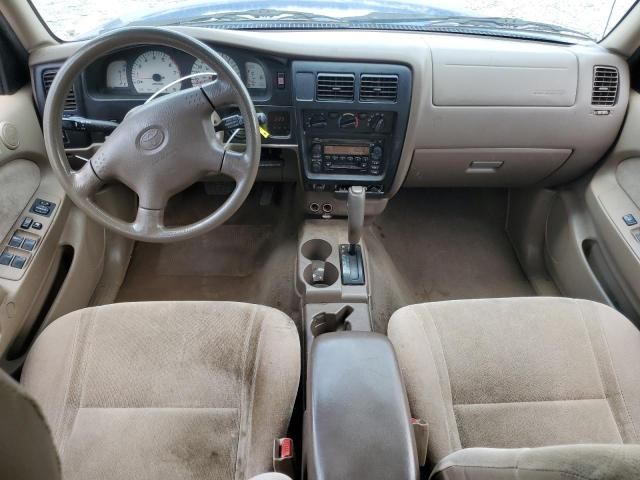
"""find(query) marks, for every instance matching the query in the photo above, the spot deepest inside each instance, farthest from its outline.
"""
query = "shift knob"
(355, 211)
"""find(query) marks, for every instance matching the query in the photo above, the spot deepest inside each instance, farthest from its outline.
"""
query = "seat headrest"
(27, 451)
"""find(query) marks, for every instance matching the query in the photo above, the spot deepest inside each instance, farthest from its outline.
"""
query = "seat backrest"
(27, 451)
(585, 462)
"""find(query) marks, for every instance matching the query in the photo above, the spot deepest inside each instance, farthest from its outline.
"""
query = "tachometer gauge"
(200, 67)
(255, 76)
(153, 70)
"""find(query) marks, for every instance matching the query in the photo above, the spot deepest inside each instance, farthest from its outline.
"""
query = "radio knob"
(348, 120)
(316, 150)
(376, 152)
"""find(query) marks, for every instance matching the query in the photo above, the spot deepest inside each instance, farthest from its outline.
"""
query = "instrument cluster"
(144, 71)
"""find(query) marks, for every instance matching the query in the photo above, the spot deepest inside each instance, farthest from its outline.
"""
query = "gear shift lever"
(355, 212)
(351, 263)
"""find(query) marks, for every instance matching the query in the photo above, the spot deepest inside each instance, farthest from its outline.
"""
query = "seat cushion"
(185, 390)
(563, 462)
(519, 372)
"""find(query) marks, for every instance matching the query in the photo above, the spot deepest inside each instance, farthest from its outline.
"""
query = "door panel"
(19, 180)
(62, 251)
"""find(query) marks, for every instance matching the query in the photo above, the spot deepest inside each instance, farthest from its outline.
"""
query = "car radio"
(353, 158)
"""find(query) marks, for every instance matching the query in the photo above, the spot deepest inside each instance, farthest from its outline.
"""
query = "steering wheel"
(160, 148)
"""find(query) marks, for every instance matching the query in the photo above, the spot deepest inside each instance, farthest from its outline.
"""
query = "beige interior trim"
(26, 24)
(625, 38)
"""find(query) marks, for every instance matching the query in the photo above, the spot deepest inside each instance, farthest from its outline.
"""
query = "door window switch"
(16, 241)
(36, 226)
(26, 223)
(5, 258)
(29, 244)
(630, 220)
(18, 261)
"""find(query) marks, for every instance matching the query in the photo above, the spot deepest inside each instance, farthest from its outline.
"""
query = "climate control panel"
(351, 120)
(360, 122)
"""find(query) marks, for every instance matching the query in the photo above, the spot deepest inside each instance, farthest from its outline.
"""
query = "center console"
(352, 120)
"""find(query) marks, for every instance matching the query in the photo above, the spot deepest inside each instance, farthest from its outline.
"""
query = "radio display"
(346, 150)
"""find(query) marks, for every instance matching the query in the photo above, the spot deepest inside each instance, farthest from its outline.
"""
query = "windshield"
(75, 19)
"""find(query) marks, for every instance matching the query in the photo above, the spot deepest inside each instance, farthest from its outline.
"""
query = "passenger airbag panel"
(508, 74)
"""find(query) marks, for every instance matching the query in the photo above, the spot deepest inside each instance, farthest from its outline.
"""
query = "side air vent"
(605, 86)
(378, 88)
(70, 104)
(332, 87)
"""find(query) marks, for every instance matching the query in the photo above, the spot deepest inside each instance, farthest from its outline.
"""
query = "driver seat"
(164, 390)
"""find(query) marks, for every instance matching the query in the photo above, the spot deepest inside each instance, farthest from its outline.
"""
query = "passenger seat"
(495, 378)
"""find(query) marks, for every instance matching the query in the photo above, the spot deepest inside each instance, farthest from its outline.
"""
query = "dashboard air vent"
(331, 87)
(70, 104)
(378, 88)
(605, 86)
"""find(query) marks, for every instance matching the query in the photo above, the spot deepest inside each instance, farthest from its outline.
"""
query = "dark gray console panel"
(358, 423)
(351, 123)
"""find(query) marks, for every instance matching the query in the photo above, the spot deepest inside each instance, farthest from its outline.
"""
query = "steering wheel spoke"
(236, 165)
(148, 222)
(86, 182)
(220, 93)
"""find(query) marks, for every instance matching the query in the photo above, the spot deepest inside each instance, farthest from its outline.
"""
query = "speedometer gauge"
(153, 70)
(255, 76)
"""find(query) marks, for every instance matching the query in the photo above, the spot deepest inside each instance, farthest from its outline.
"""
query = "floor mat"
(249, 259)
(442, 244)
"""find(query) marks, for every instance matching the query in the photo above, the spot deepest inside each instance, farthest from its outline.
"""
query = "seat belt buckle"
(284, 456)
(421, 435)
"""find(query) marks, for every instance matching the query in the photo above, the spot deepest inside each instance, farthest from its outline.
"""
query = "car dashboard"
(384, 109)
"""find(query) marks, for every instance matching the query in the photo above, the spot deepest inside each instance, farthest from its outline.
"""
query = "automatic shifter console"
(351, 264)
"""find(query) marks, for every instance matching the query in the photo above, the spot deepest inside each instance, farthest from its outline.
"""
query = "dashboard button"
(26, 223)
(41, 210)
(5, 258)
(29, 244)
(16, 241)
(630, 220)
(18, 261)
(36, 225)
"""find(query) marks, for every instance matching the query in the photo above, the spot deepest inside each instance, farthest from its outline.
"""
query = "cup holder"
(326, 322)
(321, 274)
(316, 249)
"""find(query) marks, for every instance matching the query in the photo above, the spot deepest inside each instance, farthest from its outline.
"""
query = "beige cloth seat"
(519, 372)
(164, 390)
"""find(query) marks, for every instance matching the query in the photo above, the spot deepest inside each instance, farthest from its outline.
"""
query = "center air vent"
(378, 88)
(335, 87)
(70, 104)
(605, 86)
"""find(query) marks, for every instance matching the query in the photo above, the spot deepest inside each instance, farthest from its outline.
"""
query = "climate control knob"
(376, 152)
(348, 120)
